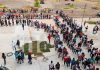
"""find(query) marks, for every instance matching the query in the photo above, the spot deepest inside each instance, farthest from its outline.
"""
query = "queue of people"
(71, 33)
(73, 37)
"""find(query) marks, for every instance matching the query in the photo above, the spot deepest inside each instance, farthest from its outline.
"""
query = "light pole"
(84, 13)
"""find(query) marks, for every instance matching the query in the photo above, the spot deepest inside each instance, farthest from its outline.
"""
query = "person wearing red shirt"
(49, 37)
(65, 52)
(65, 59)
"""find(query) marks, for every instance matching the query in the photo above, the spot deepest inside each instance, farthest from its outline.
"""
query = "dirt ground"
(78, 11)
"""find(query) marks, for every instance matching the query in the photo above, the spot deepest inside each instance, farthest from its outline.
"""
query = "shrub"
(2, 6)
(34, 47)
(37, 3)
(42, 47)
(26, 47)
(69, 6)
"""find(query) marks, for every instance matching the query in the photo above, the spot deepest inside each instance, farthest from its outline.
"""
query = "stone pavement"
(17, 32)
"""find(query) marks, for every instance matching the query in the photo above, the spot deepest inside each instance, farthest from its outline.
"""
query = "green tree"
(37, 3)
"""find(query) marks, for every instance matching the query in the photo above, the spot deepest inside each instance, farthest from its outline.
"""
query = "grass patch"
(45, 47)
(2, 6)
(69, 6)
(37, 3)
(91, 22)
(34, 47)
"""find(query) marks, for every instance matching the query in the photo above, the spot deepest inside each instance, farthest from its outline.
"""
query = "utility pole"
(84, 13)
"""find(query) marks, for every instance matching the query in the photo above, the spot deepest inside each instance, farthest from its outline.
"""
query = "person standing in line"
(91, 42)
(51, 66)
(49, 37)
(23, 26)
(12, 22)
(73, 62)
(84, 23)
(9, 23)
(68, 61)
(22, 56)
(57, 66)
(29, 58)
(18, 43)
(4, 58)
(97, 68)
(19, 57)
(86, 28)
(59, 51)
(6, 22)
(13, 46)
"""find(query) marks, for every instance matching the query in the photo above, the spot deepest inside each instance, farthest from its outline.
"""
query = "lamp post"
(84, 13)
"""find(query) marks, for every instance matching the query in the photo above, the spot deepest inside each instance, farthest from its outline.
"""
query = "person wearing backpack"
(19, 57)
(22, 56)
(73, 62)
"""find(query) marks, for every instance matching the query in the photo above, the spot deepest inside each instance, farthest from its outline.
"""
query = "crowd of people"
(12, 16)
(73, 37)
(6, 21)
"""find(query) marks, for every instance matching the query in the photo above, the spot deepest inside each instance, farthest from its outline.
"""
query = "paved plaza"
(15, 28)
(9, 34)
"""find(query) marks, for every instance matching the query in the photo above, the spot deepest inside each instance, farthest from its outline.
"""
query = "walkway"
(38, 64)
